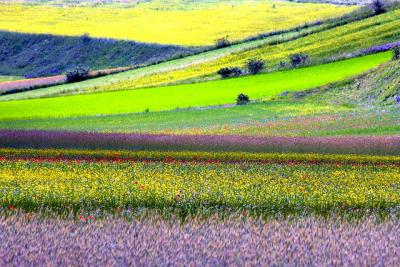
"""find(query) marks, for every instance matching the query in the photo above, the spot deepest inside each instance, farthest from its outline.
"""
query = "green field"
(183, 96)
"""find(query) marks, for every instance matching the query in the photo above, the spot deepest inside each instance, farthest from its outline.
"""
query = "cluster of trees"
(78, 74)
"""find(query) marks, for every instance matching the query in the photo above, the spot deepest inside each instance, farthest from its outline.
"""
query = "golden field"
(174, 23)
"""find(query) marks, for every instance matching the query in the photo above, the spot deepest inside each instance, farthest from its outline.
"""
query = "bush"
(242, 99)
(298, 60)
(222, 42)
(255, 66)
(230, 72)
(396, 53)
(78, 74)
(378, 7)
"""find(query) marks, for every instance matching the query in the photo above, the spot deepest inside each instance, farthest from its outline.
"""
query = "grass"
(200, 94)
(180, 23)
(36, 55)
(188, 121)
(9, 78)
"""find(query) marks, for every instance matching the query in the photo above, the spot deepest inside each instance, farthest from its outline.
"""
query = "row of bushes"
(255, 66)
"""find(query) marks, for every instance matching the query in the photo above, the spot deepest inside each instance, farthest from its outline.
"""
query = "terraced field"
(199, 94)
(182, 23)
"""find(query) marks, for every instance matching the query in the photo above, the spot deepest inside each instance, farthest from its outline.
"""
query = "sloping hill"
(34, 55)
(377, 88)
(320, 42)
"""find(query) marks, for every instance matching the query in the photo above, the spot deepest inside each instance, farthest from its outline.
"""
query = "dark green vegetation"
(33, 55)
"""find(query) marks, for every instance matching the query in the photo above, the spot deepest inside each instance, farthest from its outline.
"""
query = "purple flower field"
(38, 241)
(372, 145)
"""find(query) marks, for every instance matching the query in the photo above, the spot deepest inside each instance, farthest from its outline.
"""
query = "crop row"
(372, 145)
(10, 87)
(57, 155)
(29, 240)
(192, 188)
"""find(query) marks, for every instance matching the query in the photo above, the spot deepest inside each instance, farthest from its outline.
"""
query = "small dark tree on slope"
(230, 72)
(378, 7)
(78, 74)
(298, 60)
(255, 66)
(396, 53)
(222, 42)
(242, 99)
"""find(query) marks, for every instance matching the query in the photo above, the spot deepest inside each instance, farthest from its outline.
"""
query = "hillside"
(183, 96)
(362, 106)
(326, 42)
(34, 55)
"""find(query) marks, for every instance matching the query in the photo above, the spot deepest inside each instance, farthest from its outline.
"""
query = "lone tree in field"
(222, 42)
(378, 7)
(242, 99)
(78, 74)
(298, 60)
(396, 52)
(255, 66)
(230, 72)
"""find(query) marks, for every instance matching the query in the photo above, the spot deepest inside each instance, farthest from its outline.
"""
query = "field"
(239, 241)
(180, 23)
(155, 162)
(295, 184)
(182, 96)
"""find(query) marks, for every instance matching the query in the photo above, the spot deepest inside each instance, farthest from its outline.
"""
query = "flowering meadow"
(187, 183)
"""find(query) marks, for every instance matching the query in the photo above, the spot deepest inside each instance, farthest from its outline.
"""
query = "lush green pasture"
(188, 121)
(269, 189)
(180, 22)
(182, 96)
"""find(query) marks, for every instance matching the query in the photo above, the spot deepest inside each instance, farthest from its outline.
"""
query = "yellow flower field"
(177, 23)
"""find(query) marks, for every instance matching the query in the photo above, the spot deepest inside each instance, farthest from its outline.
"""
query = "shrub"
(299, 59)
(78, 74)
(242, 99)
(378, 7)
(396, 53)
(230, 72)
(255, 66)
(85, 38)
(222, 42)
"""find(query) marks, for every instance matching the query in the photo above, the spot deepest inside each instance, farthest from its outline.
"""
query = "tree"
(378, 7)
(255, 66)
(222, 42)
(229, 72)
(298, 60)
(242, 99)
(78, 74)
(396, 52)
